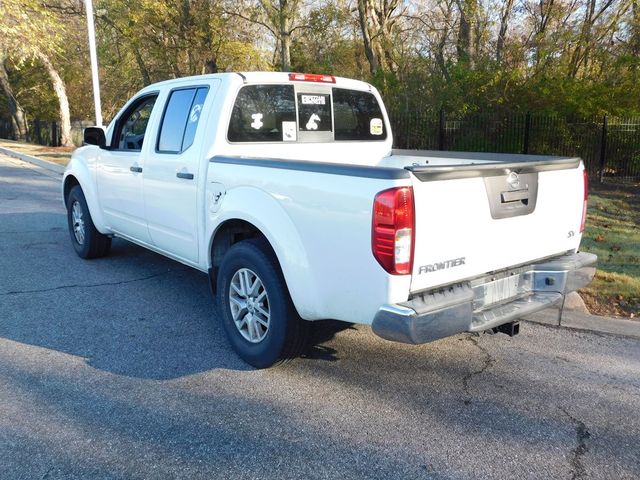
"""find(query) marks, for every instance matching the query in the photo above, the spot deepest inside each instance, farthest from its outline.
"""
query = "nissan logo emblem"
(513, 180)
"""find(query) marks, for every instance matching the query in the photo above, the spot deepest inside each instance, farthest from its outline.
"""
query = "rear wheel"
(257, 314)
(87, 241)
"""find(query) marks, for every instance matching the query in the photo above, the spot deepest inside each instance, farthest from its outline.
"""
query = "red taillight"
(584, 203)
(311, 77)
(392, 232)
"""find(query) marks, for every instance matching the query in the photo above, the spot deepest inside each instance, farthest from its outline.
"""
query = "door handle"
(186, 176)
(514, 195)
(136, 169)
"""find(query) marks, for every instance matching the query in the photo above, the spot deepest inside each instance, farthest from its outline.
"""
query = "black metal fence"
(609, 146)
(46, 132)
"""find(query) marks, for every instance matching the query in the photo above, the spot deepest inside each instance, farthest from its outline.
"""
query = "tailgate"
(472, 219)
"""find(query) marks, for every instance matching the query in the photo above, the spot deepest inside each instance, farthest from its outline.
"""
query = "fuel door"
(215, 196)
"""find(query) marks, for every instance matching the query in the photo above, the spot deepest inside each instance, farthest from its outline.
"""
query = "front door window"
(134, 125)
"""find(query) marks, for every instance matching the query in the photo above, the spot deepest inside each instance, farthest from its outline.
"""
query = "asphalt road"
(116, 368)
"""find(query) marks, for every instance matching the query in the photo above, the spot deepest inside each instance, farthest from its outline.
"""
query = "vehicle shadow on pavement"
(131, 313)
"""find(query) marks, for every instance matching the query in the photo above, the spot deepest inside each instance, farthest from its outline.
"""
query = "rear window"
(275, 113)
(357, 116)
(262, 113)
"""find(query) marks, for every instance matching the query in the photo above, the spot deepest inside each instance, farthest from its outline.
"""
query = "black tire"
(94, 244)
(286, 335)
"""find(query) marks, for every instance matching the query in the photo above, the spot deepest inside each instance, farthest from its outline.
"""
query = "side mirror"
(95, 136)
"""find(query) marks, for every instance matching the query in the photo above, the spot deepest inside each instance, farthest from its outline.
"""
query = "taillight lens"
(392, 234)
(584, 203)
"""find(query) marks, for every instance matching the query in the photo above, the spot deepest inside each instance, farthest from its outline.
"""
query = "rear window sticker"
(312, 124)
(375, 126)
(289, 131)
(257, 121)
(313, 99)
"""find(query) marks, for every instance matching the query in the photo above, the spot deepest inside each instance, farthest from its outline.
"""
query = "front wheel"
(87, 241)
(258, 316)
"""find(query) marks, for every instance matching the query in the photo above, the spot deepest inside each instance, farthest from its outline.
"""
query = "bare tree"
(505, 15)
(433, 26)
(467, 10)
(635, 27)
(378, 20)
(583, 44)
(280, 17)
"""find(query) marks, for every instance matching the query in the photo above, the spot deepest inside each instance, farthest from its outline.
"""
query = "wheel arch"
(78, 174)
(287, 250)
(227, 234)
(70, 181)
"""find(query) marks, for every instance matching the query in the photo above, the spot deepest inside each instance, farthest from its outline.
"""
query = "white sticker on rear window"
(257, 121)
(375, 126)
(313, 99)
(312, 124)
(289, 131)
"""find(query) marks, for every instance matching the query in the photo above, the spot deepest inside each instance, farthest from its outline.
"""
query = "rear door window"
(180, 119)
(194, 117)
(358, 116)
(263, 113)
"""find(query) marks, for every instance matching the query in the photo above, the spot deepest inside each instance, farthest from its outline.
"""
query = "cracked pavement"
(116, 368)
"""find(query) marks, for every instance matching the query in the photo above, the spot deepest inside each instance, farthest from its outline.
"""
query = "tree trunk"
(463, 44)
(585, 33)
(377, 24)
(635, 28)
(635, 33)
(210, 66)
(285, 36)
(61, 92)
(504, 25)
(146, 78)
(18, 118)
(363, 13)
(580, 57)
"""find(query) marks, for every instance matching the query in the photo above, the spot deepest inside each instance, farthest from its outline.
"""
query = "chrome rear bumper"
(464, 307)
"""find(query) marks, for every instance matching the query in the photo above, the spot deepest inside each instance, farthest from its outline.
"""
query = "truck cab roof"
(261, 77)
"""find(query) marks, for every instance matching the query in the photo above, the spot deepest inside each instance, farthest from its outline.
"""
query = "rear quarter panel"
(320, 228)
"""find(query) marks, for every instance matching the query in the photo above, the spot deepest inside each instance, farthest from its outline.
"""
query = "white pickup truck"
(285, 190)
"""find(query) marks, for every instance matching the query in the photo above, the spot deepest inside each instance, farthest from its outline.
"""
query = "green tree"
(33, 33)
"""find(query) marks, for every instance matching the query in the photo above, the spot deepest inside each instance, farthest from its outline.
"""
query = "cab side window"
(132, 126)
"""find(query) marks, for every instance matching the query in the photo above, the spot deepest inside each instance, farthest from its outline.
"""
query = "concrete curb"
(52, 167)
(584, 321)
